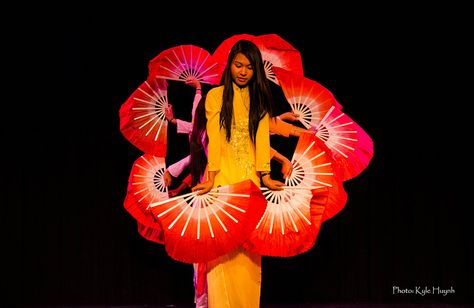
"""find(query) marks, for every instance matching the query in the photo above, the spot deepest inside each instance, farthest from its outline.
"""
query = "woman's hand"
(167, 178)
(169, 113)
(193, 81)
(203, 188)
(289, 116)
(272, 184)
(177, 190)
(286, 167)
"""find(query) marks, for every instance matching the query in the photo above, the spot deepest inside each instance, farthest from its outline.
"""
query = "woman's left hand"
(203, 188)
(286, 168)
(272, 184)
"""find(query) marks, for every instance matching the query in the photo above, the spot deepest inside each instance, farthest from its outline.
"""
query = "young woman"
(238, 114)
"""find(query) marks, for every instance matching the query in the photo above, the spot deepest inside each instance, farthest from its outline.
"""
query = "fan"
(146, 179)
(334, 197)
(147, 225)
(319, 111)
(278, 53)
(184, 61)
(142, 117)
(294, 215)
(331, 192)
(307, 98)
(146, 185)
(351, 147)
(200, 228)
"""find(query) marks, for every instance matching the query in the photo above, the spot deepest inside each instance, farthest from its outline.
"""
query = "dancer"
(238, 114)
(198, 166)
(182, 127)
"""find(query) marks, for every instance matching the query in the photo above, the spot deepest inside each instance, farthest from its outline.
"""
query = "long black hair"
(197, 147)
(261, 101)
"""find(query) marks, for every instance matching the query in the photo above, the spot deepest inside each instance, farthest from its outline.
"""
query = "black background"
(67, 238)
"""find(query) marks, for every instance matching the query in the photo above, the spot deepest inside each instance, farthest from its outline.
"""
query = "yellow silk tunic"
(234, 280)
(238, 159)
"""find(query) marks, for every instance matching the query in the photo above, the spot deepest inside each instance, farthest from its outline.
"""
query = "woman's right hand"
(167, 178)
(289, 116)
(193, 81)
(169, 113)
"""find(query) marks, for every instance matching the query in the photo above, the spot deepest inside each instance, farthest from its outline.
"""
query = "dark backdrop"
(67, 239)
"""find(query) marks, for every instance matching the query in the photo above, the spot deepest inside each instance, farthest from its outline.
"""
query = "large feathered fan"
(184, 61)
(200, 228)
(293, 217)
(142, 117)
(351, 147)
(307, 98)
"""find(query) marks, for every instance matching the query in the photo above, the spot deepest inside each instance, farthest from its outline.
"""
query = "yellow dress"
(234, 279)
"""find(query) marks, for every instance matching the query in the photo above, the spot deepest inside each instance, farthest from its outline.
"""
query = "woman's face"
(241, 70)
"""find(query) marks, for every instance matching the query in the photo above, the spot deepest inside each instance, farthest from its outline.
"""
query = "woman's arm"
(262, 159)
(207, 185)
(286, 165)
(213, 107)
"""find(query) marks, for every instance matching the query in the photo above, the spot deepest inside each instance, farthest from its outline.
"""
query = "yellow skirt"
(234, 280)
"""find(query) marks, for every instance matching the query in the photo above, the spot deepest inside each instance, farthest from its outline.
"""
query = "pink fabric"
(178, 167)
(200, 285)
(183, 127)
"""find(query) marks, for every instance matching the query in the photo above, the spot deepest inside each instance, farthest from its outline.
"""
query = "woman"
(183, 127)
(237, 126)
